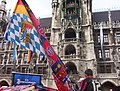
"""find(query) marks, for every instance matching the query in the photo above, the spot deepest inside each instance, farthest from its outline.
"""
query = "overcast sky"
(42, 8)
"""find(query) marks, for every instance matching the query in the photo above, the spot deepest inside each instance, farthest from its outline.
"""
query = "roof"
(103, 16)
(46, 22)
(97, 17)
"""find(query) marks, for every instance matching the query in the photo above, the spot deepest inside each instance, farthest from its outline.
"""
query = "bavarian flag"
(20, 30)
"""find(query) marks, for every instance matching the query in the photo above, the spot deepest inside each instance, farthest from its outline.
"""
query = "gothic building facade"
(74, 33)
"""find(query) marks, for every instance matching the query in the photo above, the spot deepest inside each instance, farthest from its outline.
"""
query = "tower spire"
(3, 13)
(3, 4)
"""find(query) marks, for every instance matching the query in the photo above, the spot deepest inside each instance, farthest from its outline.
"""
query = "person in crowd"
(86, 84)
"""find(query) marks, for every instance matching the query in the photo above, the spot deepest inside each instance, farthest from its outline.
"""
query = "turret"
(2, 15)
(55, 13)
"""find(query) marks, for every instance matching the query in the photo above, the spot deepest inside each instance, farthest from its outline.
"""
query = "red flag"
(1, 89)
(47, 47)
(60, 85)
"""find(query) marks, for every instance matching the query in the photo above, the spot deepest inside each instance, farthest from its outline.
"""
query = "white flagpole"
(101, 41)
(14, 56)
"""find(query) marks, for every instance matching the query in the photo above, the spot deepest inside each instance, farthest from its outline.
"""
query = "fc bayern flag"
(46, 45)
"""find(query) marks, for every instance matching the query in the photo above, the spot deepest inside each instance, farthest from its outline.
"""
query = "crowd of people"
(88, 83)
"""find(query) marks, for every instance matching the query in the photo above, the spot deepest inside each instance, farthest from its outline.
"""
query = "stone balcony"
(5, 76)
(71, 40)
(107, 75)
(106, 25)
(74, 56)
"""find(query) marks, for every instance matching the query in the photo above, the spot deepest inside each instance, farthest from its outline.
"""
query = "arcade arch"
(107, 85)
(71, 68)
(4, 83)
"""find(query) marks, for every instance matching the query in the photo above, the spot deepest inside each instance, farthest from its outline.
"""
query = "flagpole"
(14, 57)
(14, 65)
(101, 41)
(111, 28)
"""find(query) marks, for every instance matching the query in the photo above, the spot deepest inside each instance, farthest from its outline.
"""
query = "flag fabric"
(29, 55)
(101, 41)
(54, 60)
(60, 85)
(15, 52)
(14, 88)
(21, 31)
(44, 88)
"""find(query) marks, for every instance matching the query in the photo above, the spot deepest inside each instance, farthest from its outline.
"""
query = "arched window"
(71, 68)
(70, 50)
(70, 33)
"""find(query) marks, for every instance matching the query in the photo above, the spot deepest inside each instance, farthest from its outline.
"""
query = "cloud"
(41, 8)
(103, 5)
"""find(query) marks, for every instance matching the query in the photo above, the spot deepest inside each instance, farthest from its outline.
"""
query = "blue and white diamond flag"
(21, 31)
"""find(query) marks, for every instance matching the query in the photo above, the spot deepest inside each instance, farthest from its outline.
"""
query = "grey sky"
(103, 5)
(42, 8)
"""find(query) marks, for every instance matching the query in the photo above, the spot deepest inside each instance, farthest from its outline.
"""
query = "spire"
(54, 3)
(4, 1)
(8, 16)
(3, 14)
(3, 4)
(3, 9)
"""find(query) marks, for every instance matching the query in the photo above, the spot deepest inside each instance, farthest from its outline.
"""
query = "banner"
(26, 79)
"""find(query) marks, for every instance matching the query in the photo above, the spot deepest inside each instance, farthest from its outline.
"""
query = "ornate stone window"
(1, 58)
(25, 58)
(9, 70)
(118, 37)
(105, 38)
(100, 54)
(70, 33)
(119, 53)
(107, 53)
(70, 51)
(24, 69)
(71, 8)
(98, 38)
(104, 68)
